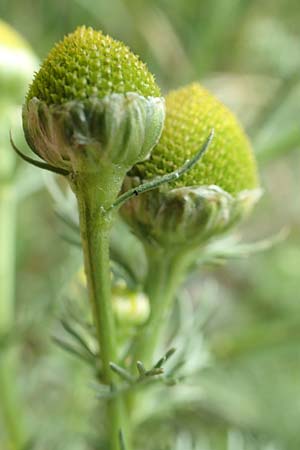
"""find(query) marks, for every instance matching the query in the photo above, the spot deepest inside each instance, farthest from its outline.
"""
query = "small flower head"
(215, 193)
(192, 112)
(92, 100)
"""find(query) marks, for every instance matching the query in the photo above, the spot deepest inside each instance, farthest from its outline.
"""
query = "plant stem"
(9, 404)
(165, 274)
(7, 256)
(94, 197)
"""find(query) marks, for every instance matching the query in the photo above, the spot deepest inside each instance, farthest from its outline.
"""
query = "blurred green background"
(244, 391)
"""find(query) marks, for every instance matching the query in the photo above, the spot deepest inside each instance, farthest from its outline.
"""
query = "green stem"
(9, 404)
(7, 256)
(165, 275)
(94, 197)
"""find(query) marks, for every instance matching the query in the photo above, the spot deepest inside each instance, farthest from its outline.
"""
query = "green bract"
(119, 129)
(214, 194)
(93, 103)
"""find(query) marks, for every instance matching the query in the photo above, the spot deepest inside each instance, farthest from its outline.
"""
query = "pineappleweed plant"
(181, 173)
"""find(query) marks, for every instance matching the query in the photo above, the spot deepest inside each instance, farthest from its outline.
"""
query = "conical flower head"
(87, 63)
(92, 99)
(192, 112)
(215, 193)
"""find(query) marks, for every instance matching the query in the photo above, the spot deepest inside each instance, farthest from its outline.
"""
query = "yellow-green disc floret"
(87, 63)
(191, 113)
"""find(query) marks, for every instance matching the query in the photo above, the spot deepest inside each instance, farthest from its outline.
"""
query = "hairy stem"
(94, 196)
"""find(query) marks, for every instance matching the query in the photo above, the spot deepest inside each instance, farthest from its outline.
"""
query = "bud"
(215, 194)
(93, 103)
(131, 308)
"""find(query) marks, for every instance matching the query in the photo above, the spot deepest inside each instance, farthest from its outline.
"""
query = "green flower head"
(87, 63)
(192, 112)
(214, 194)
(92, 103)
